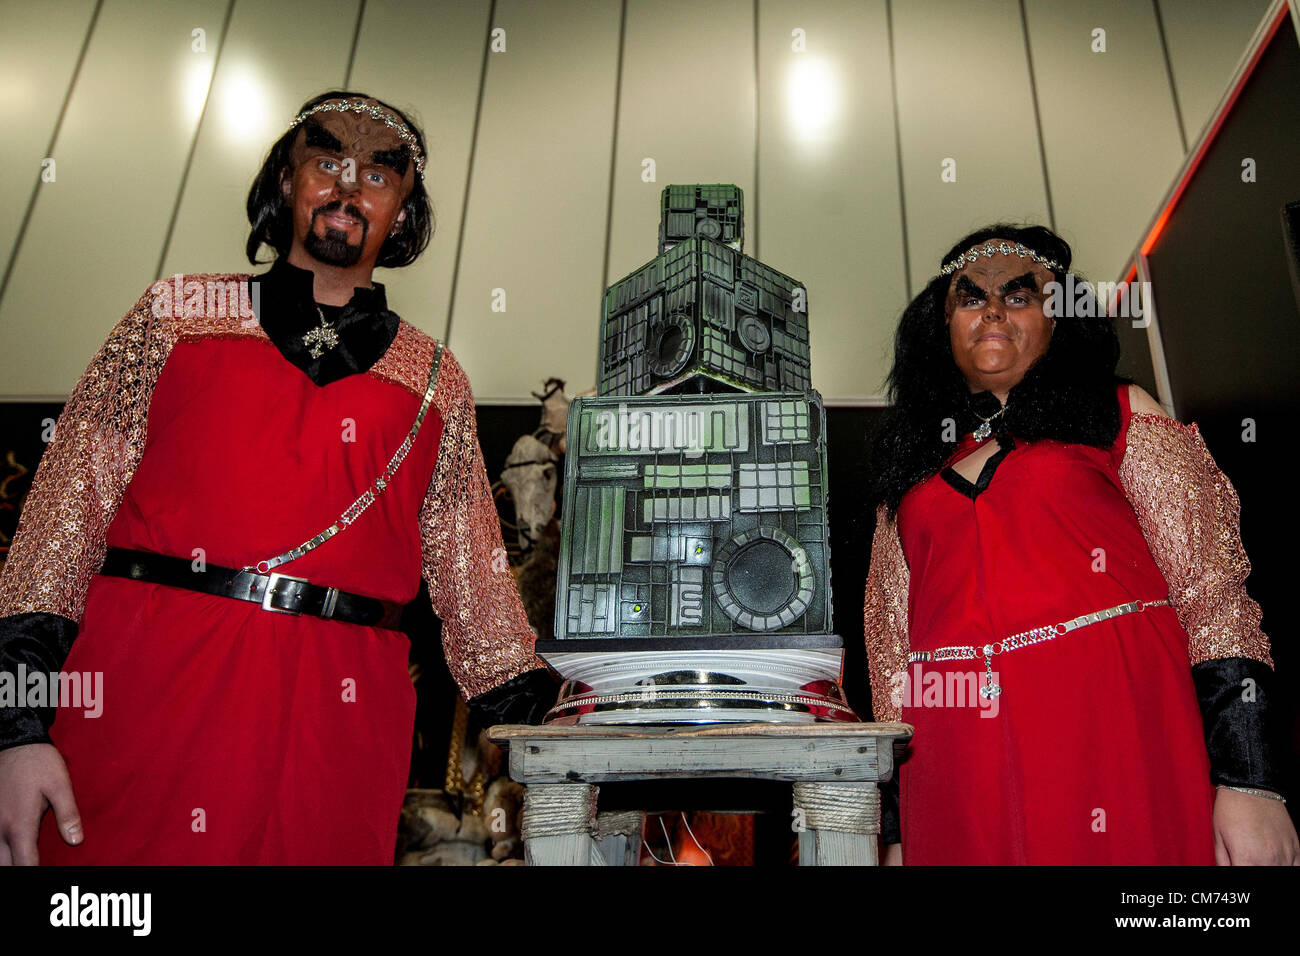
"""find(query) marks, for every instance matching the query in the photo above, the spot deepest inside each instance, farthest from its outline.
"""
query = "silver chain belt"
(377, 487)
(1037, 635)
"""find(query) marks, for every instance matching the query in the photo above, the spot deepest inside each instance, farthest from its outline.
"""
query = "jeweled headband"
(990, 249)
(409, 139)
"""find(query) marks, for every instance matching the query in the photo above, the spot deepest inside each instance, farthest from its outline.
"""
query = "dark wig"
(1067, 395)
(271, 217)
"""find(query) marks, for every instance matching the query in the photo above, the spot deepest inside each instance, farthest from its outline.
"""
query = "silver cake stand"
(743, 685)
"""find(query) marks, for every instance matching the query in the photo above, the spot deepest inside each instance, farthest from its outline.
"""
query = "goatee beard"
(333, 248)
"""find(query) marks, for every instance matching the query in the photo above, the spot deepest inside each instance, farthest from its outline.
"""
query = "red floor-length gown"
(1096, 754)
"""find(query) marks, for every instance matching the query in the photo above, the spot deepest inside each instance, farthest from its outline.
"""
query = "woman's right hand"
(33, 777)
(893, 855)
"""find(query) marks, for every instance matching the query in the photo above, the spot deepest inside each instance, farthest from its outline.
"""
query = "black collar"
(287, 311)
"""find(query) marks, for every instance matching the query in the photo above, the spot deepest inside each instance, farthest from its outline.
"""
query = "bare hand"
(893, 855)
(1253, 831)
(32, 778)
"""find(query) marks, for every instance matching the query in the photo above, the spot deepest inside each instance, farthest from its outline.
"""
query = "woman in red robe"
(1056, 595)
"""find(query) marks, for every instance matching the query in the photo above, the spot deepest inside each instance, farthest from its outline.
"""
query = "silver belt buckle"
(274, 579)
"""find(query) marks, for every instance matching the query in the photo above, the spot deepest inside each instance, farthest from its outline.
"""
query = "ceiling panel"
(964, 94)
(38, 55)
(266, 72)
(1107, 169)
(446, 40)
(1206, 40)
(93, 242)
(535, 225)
(828, 183)
(687, 103)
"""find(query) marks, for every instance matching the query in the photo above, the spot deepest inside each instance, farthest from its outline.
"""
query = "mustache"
(338, 206)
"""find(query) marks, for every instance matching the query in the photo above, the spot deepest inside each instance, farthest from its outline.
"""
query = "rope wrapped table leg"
(558, 823)
(838, 823)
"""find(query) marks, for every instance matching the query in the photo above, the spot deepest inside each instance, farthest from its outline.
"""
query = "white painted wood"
(618, 835)
(745, 751)
(569, 849)
(854, 755)
(830, 848)
(822, 842)
(557, 830)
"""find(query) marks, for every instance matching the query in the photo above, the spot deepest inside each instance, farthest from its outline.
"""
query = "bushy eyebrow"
(964, 284)
(395, 159)
(318, 135)
(1026, 281)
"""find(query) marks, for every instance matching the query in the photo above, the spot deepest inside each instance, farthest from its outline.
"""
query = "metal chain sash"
(1037, 635)
(376, 488)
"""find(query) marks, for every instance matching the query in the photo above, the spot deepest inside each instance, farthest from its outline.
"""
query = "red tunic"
(1095, 752)
(211, 705)
(230, 734)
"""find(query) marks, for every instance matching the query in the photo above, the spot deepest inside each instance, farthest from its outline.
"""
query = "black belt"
(274, 592)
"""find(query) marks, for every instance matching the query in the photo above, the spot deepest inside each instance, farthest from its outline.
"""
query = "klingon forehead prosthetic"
(362, 125)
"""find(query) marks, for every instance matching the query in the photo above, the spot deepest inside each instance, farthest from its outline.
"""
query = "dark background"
(1230, 325)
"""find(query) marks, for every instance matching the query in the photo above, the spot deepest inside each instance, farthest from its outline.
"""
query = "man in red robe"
(242, 492)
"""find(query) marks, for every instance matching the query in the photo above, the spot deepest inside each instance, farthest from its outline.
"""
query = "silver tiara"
(990, 249)
(409, 139)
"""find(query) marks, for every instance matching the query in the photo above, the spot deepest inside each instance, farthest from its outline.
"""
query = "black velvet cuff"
(40, 644)
(1241, 729)
(891, 830)
(521, 700)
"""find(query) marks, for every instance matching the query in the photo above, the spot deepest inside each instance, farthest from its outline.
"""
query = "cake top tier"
(715, 211)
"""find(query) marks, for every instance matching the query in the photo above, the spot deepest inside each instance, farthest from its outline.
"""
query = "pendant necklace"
(986, 429)
(322, 338)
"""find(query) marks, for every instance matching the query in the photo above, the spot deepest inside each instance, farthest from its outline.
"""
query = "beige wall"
(535, 166)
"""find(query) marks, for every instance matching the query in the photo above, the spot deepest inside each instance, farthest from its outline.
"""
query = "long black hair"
(1067, 395)
(271, 217)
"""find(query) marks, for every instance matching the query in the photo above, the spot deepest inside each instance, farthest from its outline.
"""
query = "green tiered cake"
(694, 572)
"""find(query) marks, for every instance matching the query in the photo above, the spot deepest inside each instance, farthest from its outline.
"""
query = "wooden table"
(834, 769)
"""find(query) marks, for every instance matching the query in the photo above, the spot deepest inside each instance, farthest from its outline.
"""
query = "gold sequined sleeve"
(1190, 516)
(485, 631)
(97, 443)
(885, 619)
